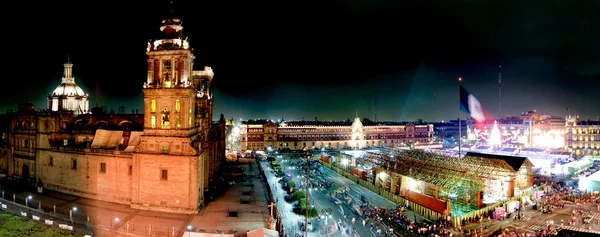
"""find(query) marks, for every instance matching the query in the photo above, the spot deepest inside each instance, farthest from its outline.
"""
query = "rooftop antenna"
(434, 99)
(500, 91)
(375, 107)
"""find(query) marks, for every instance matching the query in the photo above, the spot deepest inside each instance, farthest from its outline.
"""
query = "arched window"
(177, 106)
(153, 106)
(153, 122)
(165, 122)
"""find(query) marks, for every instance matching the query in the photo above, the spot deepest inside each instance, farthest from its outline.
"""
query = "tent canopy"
(262, 232)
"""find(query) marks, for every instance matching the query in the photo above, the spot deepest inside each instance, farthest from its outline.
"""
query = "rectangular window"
(74, 165)
(163, 174)
(165, 149)
(130, 170)
(153, 106)
(50, 161)
(177, 106)
(103, 168)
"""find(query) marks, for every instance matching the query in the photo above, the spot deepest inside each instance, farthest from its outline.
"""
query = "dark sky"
(300, 59)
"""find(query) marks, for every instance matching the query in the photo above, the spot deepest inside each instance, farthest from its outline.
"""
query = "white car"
(587, 219)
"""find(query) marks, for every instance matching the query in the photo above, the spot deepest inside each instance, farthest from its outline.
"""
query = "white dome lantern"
(68, 95)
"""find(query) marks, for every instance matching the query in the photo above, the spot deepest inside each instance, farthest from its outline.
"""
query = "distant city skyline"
(403, 64)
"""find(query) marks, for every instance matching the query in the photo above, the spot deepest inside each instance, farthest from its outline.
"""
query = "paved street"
(317, 198)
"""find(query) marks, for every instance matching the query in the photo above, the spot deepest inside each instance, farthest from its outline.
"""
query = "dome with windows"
(68, 89)
(68, 96)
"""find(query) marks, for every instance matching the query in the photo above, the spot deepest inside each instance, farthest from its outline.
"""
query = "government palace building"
(262, 135)
(163, 158)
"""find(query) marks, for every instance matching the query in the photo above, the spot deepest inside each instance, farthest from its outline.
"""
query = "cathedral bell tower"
(168, 91)
(166, 162)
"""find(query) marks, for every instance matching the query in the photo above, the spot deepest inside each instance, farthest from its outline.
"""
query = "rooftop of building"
(348, 122)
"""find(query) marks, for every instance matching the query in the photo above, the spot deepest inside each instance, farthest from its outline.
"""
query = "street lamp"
(326, 213)
(27, 199)
(71, 213)
(305, 149)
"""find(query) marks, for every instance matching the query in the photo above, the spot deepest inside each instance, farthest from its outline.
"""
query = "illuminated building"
(582, 137)
(448, 186)
(319, 134)
(529, 130)
(68, 95)
(163, 159)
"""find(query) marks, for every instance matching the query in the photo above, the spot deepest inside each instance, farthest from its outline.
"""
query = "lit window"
(165, 148)
(153, 106)
(177, 106)
(153, 122)
(165, 122)
(177, 122)
(190, 121)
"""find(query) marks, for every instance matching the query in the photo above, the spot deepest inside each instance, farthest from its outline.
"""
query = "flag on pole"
(470, 105)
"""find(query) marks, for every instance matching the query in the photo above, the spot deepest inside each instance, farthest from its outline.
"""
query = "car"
(587, 220)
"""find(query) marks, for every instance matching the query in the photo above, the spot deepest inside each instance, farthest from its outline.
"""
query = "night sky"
(301, 59)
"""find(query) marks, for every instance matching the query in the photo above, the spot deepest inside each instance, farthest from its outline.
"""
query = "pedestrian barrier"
(80, 223)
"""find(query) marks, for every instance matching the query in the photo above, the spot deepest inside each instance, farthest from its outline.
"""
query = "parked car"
(587, 220)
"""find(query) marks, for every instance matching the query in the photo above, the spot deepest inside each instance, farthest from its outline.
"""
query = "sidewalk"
(100, 218)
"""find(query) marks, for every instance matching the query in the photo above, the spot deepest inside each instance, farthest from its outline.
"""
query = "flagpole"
(459, 121)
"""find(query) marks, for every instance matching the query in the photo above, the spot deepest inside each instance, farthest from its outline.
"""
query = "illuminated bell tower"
(168, 91)
(166, 162)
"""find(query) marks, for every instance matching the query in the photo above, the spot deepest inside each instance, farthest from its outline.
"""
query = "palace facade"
(163, 159)
(582, 137)
(262, 135)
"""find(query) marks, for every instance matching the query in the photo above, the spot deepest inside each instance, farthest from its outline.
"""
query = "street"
(342, 213)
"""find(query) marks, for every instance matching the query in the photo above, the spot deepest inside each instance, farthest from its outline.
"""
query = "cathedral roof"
(68, 87)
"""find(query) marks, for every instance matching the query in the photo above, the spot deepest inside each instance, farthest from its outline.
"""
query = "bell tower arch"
(168, 161)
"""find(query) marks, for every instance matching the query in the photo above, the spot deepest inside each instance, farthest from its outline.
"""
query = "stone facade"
(163, 159)
(318, 135)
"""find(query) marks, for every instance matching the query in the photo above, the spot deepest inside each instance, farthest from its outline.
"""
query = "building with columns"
(68, 95)
(582, 137)
(261, 135)
(163, 159)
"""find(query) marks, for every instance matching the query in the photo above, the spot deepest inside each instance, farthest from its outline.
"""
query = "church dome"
(68, 89)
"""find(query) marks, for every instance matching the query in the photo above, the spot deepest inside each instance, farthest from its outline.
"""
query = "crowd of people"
(400, 223)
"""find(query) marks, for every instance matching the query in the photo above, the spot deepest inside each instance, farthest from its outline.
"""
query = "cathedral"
(162, 159)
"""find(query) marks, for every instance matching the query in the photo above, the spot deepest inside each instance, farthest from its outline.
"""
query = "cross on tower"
(271, 206)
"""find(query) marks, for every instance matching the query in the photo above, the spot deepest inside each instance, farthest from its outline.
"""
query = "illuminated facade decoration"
(68, 96)
(495, 139)
(582, 137)
(151, 160)
(530, 130)
(263, 135)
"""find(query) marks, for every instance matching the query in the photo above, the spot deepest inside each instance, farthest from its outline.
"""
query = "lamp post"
(307, 201)
(71, 213)
(26, 200)
(116, 221)
(326, 213)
